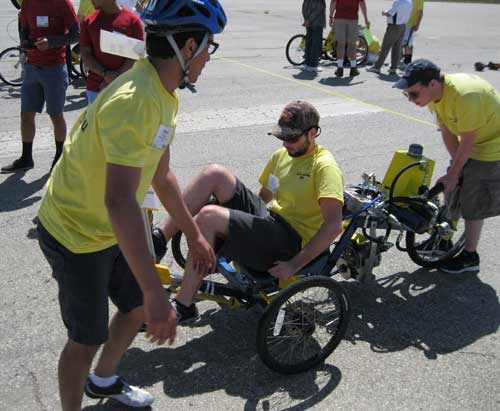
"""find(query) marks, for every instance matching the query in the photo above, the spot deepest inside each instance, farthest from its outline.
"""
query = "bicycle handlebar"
(434, 191)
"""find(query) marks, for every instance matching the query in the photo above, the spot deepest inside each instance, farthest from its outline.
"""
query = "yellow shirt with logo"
(297, 184)
(85, 8)
(418, 5)
(470, 103)
(131, 123)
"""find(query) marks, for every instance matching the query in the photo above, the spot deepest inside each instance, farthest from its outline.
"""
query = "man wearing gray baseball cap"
(294, 218)
(467, 110)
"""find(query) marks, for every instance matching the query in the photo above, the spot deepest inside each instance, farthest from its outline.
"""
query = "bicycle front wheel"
(12, 66)
(296, 49)
(444, 240)
(302, 325)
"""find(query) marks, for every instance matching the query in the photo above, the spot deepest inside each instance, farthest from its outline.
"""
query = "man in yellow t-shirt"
(467, 109)
(91, 229)
(412, 26)
(303, 188)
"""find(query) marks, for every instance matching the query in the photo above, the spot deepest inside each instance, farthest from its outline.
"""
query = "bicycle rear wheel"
(12, 66)
(295, 49)
(302, 325)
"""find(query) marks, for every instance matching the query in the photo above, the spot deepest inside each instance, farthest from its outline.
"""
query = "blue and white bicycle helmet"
(180, 14)
(168, 17)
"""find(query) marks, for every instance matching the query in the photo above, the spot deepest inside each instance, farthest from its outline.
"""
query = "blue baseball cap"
(420, 70)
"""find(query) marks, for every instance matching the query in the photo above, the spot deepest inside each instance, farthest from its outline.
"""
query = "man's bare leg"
(74, 366)
(472, 234)
(122, 331)
(212, 180)
(213, 221)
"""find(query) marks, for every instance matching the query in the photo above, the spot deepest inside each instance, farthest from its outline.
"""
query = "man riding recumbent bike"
(306, 317)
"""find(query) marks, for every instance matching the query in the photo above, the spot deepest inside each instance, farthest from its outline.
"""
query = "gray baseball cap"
(296, 118)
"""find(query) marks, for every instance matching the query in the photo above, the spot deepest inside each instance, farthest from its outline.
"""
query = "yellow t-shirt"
(470, 103)
(85, 8)
(131, 123)
(298, 183)
(418, 5)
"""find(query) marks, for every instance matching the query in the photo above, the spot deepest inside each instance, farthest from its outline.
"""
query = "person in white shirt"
(397, 17)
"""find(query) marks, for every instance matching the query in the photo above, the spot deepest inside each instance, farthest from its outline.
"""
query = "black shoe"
(339, 72)
(120, 391)
(159, 244)
(354, 72)
(18, 165)
(185, 315)
(465, 262)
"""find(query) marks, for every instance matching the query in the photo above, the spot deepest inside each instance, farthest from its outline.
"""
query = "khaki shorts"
(478, 195)
(346, 31)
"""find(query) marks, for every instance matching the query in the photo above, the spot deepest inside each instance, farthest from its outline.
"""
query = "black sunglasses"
(212, 47)
(412, 95)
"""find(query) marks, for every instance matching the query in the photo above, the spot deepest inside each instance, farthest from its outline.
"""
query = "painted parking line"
(211, 120)
(326, 91)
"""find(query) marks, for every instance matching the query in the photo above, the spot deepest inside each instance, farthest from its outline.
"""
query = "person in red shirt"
(104, 67)
(344, 19)
(46, 28)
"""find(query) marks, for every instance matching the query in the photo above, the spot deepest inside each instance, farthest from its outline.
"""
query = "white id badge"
(42, 21)
(273, 183)
(162, 136)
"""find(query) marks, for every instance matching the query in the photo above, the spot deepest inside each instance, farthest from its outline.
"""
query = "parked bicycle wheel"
(445, 240)
(295, 49)
(16, 4)
(12, 66)
(74, 61)
(361, 50)
(302, 325)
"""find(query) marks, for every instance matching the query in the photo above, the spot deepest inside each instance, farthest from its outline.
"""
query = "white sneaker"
(120, 391)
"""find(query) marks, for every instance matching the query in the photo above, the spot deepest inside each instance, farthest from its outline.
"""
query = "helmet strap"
(185, 64)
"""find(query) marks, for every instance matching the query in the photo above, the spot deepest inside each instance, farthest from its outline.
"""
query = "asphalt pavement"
(417, 340)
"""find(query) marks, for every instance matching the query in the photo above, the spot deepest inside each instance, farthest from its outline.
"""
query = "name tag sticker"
(162, 136)
(42, 21)
(273, 183)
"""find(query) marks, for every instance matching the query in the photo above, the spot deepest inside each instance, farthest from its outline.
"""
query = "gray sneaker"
(121, 392)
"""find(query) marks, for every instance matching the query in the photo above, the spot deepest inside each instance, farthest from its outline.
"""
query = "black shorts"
(257, 237)
(85, 282)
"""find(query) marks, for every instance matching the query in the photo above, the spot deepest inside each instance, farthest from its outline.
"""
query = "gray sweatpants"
(393, 38)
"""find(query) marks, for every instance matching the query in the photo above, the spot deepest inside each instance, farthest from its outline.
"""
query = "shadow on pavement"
(226, 359)
(8, 92)
(342, 81)
(433, 312)
(75, 102)
(15, 193)
(430, 311)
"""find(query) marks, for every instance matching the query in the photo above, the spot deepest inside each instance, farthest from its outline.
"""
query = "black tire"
(76, 62)
(275, 334)
(84, 70)
(15, 3)
(295, 49)
(361, 50)
(432, 250)
(176, 245)
(12, 62)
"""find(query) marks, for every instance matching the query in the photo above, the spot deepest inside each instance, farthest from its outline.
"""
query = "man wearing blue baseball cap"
(467, 109)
